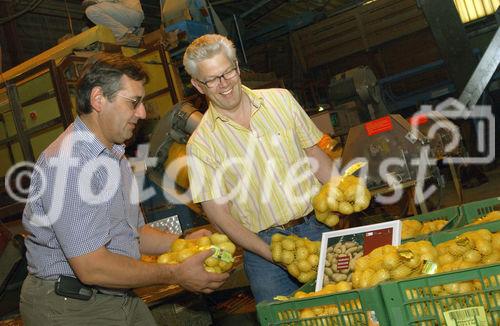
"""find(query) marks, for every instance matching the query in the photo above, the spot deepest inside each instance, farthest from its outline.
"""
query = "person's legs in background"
(120, 19)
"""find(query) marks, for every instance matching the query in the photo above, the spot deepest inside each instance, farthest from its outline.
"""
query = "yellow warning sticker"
(473, 316)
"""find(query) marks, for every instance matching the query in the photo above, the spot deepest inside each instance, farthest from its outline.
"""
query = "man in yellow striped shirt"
(253, 163)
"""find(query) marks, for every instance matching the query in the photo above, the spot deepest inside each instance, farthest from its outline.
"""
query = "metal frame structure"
(62, 85)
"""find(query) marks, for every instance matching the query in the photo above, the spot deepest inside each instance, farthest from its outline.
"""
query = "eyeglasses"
(135, 101)
(214, 82)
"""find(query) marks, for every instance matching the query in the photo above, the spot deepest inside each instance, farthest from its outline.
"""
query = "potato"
(332, 220)
(287, 257)
(218, 238)
(277, 237)
(211, 261)
(185, 254)
(178, 244)
(400, 272)
(345, 208)
(472, 256)
(203, 242)
(313, 259)
(293, 269)
(276, 253)
(304, 265)
(288, 244)
(483, 246)
(319, 202)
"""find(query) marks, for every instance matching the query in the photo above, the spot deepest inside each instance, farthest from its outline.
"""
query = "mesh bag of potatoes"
(490, 217)
(345, 195)
(413, 228)
(393, 263)
(221, 261)
(468, 250)
(300, 256)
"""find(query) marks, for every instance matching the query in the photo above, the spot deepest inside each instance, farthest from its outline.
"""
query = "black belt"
(292, 223)
(297, 221)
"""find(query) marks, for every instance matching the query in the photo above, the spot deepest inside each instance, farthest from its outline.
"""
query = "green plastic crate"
(405, 298)
(471, 211)
(353, 306)
(443, 236)
(411, 302)
(451, 214)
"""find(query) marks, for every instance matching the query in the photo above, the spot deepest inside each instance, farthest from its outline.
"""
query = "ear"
(96, 98)
(197, 85)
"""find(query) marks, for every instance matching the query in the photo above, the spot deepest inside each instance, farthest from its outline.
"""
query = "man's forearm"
(153, 241)
(220, 217)
(325, 163)
(107, 269)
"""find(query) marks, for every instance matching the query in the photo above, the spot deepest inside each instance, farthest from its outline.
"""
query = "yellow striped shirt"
(263, 172)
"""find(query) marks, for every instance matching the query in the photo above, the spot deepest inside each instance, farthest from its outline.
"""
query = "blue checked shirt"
(82, 197)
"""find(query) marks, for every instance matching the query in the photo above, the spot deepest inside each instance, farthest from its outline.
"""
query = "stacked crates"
(450, 214)
(471, 211)
(416, 301)
(413, 301)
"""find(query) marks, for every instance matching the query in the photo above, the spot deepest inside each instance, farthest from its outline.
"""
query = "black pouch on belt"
(70, 287)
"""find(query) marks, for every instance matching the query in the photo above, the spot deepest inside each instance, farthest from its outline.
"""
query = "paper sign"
(473, 316)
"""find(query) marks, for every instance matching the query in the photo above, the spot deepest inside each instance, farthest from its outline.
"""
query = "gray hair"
(205, 47)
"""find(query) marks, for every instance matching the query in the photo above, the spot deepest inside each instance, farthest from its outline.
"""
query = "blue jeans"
(268, 280)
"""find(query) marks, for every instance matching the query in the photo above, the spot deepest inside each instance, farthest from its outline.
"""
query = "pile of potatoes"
(490, 217)
(413, 228)
(344, 196)
(468, 250)
(221, 261)
(348, 251)
(300, 256)
(392, 263)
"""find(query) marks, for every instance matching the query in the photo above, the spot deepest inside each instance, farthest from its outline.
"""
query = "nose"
(223, 82)
(140, 111)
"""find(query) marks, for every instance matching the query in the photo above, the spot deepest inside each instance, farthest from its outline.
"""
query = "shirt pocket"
(282, 145)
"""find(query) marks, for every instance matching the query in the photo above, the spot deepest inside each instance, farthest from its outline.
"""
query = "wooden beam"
(82, 40)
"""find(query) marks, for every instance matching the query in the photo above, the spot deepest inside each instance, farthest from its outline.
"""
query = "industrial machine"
(355, 96)
(390, 137)
(171, 208)
(176, 126)
(399, 163)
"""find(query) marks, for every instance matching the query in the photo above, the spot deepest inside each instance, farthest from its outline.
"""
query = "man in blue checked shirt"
(86, 228)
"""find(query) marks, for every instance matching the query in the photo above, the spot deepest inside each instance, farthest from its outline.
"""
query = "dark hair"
(105, 70)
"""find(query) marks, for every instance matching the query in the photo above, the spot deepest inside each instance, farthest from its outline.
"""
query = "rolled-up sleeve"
(309, 135)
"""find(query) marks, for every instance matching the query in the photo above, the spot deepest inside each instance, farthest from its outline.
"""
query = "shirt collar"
(255, 99)
(95, 146)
